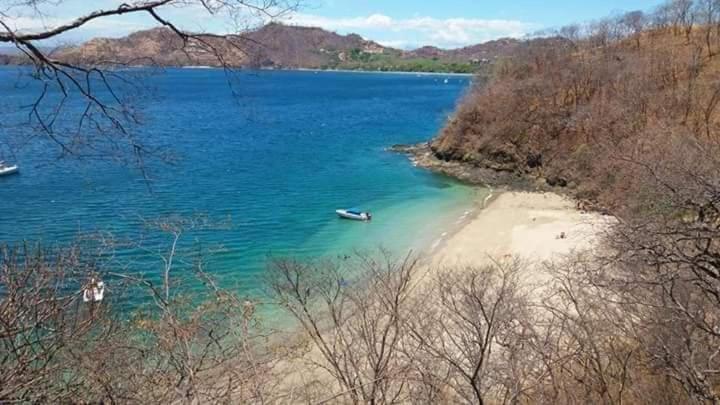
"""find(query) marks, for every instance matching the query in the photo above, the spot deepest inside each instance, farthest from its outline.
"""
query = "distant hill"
(480, 53)
(307, 47)
(567, 112)
(281, 47)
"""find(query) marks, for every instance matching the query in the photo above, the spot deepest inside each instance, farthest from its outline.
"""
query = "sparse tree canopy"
(623, 114)
(107, 127)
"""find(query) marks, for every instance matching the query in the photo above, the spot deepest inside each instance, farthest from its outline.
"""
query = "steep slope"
(426, 52)
(584, 114)
(308, 47)
(488, 50)
(484, 52)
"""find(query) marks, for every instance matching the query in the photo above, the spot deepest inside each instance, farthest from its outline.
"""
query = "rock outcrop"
(422, 155)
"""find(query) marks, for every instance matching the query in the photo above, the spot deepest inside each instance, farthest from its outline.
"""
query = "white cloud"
(190, 16)
(404, 33)
(417, 31)
(396, 43)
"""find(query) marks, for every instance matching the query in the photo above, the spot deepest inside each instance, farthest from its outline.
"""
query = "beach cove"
(532, 228)
(530, 225)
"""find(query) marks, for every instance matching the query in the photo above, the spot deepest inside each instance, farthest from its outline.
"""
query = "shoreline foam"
(525, 225)
(460, 223)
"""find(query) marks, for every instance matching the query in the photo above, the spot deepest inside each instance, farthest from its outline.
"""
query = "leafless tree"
(139, 344)
(475, 318)
(681, 16)
(570, 32)
(355, 321)
(708, 13)
(668, 261)
(107, 124)
(42, 317)
(633, 24)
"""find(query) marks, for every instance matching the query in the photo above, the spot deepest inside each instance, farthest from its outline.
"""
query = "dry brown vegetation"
(618, 93)
(626, 111)
(55, 348)
(625, 115)
(640, 326)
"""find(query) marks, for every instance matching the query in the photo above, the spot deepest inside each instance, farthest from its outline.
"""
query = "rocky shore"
(422, 156)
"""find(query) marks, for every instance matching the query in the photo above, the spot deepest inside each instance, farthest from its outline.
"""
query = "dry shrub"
(55, 348)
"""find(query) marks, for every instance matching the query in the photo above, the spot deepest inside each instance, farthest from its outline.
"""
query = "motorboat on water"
(94, 291)
(354, 214)
(5, 169)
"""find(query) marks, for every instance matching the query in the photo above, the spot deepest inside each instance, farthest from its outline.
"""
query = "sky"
(403, 24)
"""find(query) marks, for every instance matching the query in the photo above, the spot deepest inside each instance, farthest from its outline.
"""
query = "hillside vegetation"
(278, 46)
(622, 113)
(625, 118)
(620, 94)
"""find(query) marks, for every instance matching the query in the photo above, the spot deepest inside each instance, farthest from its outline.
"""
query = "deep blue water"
(272, 163)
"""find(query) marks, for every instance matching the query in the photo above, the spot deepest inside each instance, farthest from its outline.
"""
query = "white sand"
(518, 225)
(524, 225)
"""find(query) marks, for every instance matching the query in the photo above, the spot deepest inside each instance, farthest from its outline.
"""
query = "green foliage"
(357, 59)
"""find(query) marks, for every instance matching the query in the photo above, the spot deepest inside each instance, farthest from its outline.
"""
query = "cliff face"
(575, 114)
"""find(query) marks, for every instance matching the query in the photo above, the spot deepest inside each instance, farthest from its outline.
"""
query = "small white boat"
(356, 215)
(5, 170)
(94, 291)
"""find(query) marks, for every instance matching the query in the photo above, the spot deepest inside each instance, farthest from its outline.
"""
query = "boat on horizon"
(354, 214)
(6, 170)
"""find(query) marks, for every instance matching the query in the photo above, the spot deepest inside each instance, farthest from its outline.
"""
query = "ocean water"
(271, 163)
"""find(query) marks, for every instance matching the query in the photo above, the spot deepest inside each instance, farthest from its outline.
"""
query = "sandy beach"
(503, 225)
(520, 224)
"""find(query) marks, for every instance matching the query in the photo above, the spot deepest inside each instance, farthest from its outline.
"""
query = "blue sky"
(399, 23)
(549, 12)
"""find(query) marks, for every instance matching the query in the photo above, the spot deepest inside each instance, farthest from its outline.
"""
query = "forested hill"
(281, 46)
(638, 90)
(626, 119)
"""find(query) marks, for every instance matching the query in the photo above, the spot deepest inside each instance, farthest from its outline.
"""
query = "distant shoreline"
(394, 72)
(199, 67)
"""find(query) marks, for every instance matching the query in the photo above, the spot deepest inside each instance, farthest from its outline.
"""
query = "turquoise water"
(271, 162)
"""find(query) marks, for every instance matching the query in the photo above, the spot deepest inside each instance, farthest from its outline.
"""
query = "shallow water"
(273, 162)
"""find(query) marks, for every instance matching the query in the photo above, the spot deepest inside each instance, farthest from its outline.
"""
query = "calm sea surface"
(271, 163)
